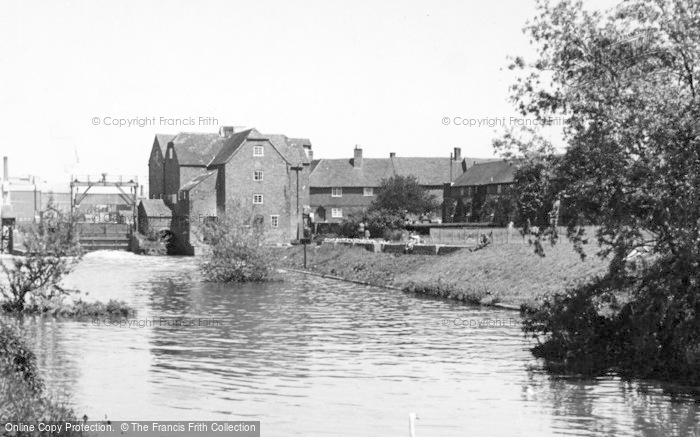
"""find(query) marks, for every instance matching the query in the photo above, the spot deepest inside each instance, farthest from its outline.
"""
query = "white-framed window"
(368, 191)
(336, 192)
(257, 175)
(257, 199)
(274, 221)
(170, 153)
(337, 212)
(258, 151)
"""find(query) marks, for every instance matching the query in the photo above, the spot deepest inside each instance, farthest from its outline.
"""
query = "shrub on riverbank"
(235, 251)
(22, 395)
(52, 251)
(80, 308)
(624, 323)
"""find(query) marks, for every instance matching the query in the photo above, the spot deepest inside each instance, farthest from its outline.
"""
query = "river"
(317, 357)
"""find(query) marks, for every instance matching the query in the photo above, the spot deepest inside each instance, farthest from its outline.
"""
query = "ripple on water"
(317, 357)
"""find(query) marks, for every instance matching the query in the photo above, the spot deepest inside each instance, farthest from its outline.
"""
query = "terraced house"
(340, 187)
(467, 199)
(203, 176)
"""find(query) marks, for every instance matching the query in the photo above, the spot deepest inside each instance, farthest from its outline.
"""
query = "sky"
(389, 76)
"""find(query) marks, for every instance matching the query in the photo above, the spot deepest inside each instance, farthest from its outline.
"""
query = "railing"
(121, 179)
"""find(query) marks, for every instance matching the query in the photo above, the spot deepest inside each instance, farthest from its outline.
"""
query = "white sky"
(381, 74)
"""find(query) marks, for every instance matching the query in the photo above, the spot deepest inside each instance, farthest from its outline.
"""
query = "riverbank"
(509, 274)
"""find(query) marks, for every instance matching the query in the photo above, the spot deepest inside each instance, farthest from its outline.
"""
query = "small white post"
(412, 424)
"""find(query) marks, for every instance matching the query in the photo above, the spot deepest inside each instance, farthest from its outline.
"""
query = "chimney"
(357, 158)
(5, 169)
(392, 155)
(226, 131)
(458, 154)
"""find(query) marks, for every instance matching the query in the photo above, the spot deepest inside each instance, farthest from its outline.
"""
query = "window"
(274, 221)
(336, 192)
(257, 175)
(258, 151)
(170, 153)
(258, 198)
(368, 191)
(498, 189)
(337, 212)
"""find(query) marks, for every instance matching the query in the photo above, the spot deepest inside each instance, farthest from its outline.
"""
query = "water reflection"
(317, 357)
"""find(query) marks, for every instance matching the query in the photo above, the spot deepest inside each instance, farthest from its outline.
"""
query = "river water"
(317, 357)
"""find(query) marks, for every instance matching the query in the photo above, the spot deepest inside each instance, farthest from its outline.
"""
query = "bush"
(377, 221)
(236, 252)
(22, 398)
(52, 251)
(644, 325)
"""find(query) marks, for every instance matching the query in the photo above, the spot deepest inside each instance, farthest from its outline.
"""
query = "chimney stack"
(458, 154)
(226, 131)
(5, 169)
(357, 158)
(392, 155)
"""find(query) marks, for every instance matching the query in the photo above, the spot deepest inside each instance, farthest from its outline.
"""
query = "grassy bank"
(509, 273)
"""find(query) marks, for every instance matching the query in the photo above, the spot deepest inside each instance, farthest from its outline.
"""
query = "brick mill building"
(203, 176)
(340, 187)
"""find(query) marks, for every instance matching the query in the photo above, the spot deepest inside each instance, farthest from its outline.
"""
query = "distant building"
(206, 175)
(154, 216)
(340, 187)
(465, 197)
(21, 197)
(156, 166)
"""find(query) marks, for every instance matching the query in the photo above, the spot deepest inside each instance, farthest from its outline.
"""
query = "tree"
(235, 251)
(625, 83)
(52, 251)
(403, 194)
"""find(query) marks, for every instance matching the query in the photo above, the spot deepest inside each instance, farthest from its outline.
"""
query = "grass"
(508, 273)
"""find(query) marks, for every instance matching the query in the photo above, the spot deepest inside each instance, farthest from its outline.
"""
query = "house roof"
(196, 148)
(292, 151)
(197, 180)
(303, 142)
(155, 208)
(230, 145)
(486, 173)
(341, 173)
(162, 141)
(428, 171)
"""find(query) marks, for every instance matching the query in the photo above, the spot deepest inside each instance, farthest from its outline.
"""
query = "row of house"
(199, 176)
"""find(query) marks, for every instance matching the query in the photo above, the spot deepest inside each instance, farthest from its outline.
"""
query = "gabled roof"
(230, 145)
(196, 148)
(162, 141)
(428, 171)
(497, 172)
(197, 180)
(292, 152)
(156, 208)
